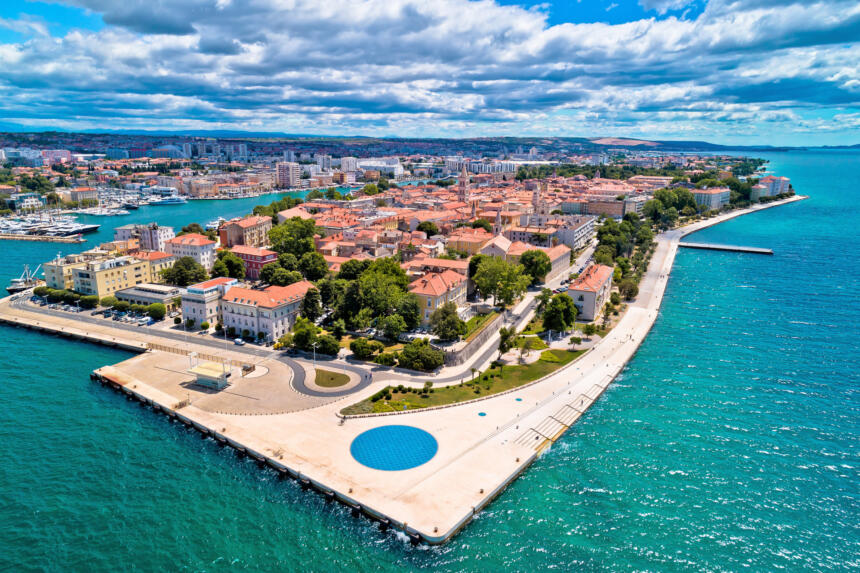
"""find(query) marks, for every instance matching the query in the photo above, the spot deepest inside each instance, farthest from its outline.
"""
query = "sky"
(736, 72)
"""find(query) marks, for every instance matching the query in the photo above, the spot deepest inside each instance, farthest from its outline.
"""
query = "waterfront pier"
(731, 248)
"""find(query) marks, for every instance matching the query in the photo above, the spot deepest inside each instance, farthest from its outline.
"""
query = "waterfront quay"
(276, 415)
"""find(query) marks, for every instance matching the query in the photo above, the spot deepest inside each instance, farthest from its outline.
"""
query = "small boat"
(25, 281)
(130, 205)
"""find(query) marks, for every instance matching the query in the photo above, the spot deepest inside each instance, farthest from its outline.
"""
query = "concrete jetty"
(731, 248)
(42, 238)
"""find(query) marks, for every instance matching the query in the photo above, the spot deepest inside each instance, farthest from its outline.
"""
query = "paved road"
(299, 378)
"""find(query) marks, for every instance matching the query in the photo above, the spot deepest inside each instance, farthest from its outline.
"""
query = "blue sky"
(779, 72)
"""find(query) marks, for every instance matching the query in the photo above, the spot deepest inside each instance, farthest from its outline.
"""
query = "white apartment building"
(348, 164)
(272, 311)
(288, 174)
(198, 247)
(324, 162)
(152, 236)
(591, 290)
(202, 302)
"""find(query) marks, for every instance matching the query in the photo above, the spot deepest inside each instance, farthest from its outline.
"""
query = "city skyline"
(757, 72)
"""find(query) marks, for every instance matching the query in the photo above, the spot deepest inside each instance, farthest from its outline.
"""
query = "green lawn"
(329, 379)
(490, 382)
(537, 343)
(389, 345)
(534, 327)
(476, 324)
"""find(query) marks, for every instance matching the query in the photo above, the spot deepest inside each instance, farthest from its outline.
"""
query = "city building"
(158, 261)
(271, 311)
(712, 199)
(199, 247)
(152, 236)
(288, 174)
(148, 293)
(435, 289)
(591, 290)
(201, 302)
(252, 231)
(105, 277)
(255, 258)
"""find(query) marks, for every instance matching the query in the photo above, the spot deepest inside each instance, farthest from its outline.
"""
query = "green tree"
(338, 328)
(484, 224)
(283, 277)
(304, 333)
(507, 338)
(410, 309)
(446, 323)
(352, 269)
(475, 263)
(312, 305)
(294, 236)
(234, 266)
(288, 261)
(392, 326)
(364, 349)
(156, 311)
(428, 227)
(560, 313)
(536, 264)
(313, 266)
(370, 189)
(542, 301)
(514, 282)
(419, 355)
(629, 289)
(266, 272)
(184, 272)
(327, 344)
(590, 329)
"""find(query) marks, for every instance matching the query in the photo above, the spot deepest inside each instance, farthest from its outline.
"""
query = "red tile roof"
(270, 297)
(191, 239)
(436, 284)
(592, 279)
(212, 282)
(252, 251)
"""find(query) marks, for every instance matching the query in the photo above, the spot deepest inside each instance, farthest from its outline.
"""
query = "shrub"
(90, 301)
(204, 325)
(219, 327)
(176, 320)
(189, 323)
(108, 301)
(231, 331)
(157, 311)
(328, 344)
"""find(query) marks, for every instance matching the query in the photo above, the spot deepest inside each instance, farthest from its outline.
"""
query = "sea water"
(729, 442)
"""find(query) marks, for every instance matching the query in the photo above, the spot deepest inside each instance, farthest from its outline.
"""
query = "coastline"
(428, 501)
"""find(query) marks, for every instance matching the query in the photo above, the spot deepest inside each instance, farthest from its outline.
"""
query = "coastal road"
(299, 376)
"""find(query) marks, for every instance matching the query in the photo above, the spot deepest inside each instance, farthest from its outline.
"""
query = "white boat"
(169, 200)
(215, 224)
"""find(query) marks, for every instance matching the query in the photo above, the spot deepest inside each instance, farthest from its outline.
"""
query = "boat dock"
(731, 248)
(42, 238)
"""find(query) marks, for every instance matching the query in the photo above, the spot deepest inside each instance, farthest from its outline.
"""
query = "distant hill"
(594, 144)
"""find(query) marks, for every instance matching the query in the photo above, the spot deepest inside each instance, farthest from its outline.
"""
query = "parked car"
(239, 342)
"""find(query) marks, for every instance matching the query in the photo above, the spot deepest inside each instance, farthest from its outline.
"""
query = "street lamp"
(314, 346)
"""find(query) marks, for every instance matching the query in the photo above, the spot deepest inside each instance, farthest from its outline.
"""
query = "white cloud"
(433, 67)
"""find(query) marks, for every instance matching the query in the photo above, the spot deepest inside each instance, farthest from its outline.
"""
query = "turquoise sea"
(730, 442)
